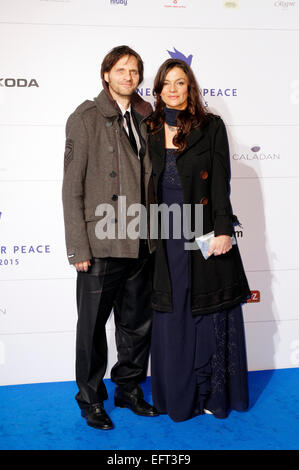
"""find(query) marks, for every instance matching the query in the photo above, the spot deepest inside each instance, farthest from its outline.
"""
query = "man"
(106, 163)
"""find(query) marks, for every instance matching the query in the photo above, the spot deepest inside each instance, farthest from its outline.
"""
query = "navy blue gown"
(197, 362)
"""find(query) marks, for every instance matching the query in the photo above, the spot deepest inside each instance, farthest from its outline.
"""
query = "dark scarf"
(171, 116)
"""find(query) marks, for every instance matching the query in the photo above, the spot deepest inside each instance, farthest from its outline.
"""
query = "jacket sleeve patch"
(68, 153)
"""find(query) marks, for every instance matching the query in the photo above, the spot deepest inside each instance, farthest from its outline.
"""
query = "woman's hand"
(83, 266)
(220, 245)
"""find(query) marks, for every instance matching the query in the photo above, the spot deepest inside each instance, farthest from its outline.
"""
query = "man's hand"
(220, 245)
(83, 265)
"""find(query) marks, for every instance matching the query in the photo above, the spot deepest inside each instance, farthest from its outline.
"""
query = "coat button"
(114, 197)
(112, 174)
(204, 201)
(113, 221)
(204, 174)
(109, 123)
(110, 149)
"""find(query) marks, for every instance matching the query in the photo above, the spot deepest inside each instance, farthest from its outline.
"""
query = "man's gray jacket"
(99, 167)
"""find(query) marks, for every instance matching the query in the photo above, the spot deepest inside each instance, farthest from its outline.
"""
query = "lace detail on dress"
(225, 360)
(170, 177)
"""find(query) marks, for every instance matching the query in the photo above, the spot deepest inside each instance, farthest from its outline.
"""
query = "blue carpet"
(46, 417)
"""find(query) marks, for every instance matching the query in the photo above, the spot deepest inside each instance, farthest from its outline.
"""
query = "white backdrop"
(245, 56)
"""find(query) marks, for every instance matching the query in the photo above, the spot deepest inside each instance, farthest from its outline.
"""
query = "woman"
(198, 357)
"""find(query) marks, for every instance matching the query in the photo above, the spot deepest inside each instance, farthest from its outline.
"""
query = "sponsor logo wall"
(244, 55)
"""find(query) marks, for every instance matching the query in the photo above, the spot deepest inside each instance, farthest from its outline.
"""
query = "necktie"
(131, 135)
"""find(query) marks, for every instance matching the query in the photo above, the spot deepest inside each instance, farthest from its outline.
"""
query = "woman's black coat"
(204, 169)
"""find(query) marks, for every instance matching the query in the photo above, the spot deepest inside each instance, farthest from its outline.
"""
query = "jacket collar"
(158, 140)
(109, 107)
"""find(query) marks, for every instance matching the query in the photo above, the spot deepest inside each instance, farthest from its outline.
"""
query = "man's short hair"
(117, 53)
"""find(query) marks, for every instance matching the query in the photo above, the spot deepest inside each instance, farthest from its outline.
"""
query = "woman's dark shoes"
(97, 417)
(134, 401)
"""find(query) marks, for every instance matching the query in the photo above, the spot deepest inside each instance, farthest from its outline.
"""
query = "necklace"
(171, 128)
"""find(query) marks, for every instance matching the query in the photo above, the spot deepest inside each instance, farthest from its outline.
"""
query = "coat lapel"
(193, 138)
(158, 141)
(157, 149)
(157, 144)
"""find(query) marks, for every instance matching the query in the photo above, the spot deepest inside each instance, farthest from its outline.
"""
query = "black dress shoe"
(97, 417)
(134, 401)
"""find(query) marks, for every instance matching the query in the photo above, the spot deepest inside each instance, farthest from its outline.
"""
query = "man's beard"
(118, 91)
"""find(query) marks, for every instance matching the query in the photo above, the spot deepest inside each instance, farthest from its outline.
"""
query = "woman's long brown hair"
(195, 113)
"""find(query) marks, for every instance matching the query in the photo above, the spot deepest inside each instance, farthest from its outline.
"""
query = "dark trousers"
(124, 285)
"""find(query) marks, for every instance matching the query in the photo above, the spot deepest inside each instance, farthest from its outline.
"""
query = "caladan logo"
(18, 82)
(256, 153)
(175, 4)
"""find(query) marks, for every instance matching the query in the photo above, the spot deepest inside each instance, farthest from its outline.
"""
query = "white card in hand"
(205, 240)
